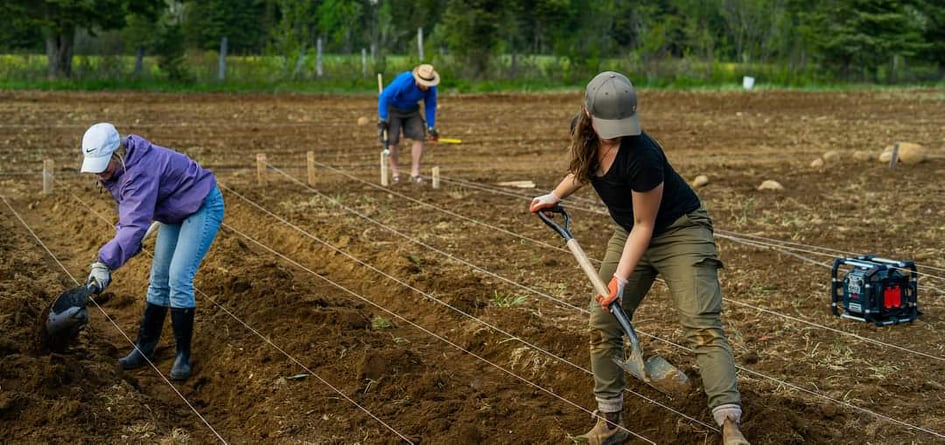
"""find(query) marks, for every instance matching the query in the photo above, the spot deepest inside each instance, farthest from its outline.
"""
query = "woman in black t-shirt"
(662, 229)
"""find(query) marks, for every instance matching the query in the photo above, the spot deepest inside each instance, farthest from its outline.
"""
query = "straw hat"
(425, 75)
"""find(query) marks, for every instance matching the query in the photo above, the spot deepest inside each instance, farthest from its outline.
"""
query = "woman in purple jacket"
(153, 183)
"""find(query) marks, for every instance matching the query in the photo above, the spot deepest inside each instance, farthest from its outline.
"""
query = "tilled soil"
(346, 312)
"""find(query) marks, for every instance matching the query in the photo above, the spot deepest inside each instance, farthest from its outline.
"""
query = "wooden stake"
(310, 162)
(49, 167)
(436, 177)
(384, 176)
(384, 180)
(260, 168)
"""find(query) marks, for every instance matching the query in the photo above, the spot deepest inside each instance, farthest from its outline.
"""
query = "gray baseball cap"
(612, 103)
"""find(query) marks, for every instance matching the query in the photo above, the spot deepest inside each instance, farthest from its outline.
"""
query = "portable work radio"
(875, 290)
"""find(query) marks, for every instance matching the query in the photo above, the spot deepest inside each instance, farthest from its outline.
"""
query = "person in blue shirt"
(398, 109)
(154, 183)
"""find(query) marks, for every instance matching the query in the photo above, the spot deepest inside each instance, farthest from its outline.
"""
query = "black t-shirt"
(640, 166)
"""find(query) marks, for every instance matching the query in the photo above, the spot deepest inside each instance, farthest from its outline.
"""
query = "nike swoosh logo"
(89, 150)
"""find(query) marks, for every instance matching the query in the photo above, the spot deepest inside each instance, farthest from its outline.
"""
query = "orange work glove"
(615, 287)
(544, 202)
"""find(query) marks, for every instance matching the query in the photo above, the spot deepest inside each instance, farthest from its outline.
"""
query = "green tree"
(868, 34)
(243, 22)
(471, 30)
(751, 25)
(294, 31)
(59, 20)
(338, 20)
(20, 32)
(933, 18)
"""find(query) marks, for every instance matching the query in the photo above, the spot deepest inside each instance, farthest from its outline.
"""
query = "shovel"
(67, 315)
(655, 371)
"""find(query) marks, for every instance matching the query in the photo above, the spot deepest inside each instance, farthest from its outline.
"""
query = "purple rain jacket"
(158, 184)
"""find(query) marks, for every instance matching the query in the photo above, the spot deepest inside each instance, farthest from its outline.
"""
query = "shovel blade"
(65, 318)
(666, 377)
(656, 372)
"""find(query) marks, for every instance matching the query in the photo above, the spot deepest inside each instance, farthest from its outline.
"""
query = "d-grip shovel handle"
(564, 231)
(588, 268)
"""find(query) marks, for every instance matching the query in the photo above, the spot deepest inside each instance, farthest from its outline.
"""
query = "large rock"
(909, 153)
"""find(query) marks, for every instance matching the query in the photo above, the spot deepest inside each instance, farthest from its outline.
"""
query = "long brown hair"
(583, 149)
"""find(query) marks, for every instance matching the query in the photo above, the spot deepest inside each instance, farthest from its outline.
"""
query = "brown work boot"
(605, 432)
(731, 434)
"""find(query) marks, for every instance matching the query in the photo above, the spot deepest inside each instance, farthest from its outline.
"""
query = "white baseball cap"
(98, 144)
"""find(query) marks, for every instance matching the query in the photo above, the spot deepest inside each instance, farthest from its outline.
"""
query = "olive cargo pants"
(685, 256)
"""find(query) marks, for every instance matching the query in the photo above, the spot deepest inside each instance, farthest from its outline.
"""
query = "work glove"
(615, 288)
(382, 127)
(101, 274)
(434, 135)
(544, 202)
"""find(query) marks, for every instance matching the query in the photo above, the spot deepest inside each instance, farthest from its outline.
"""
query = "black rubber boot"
(149, 333)
(183, 322)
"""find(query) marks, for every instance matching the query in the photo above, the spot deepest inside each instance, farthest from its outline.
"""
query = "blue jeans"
(178, 252)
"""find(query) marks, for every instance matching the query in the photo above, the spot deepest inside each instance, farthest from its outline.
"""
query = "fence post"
(310, 162)
(420, 42)
(139, 61)
(436, 177)
(363, 62)
(49, 167)
(261, 168)
(221, 65)
(318, 59)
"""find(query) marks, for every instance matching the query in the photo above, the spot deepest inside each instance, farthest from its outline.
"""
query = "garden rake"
(655, 371)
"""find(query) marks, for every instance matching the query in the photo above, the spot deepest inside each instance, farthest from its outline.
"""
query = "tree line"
(848, 40)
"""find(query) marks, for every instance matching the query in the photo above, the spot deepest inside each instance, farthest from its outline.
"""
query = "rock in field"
(909, 153)
(770, 184)
(700, 181)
